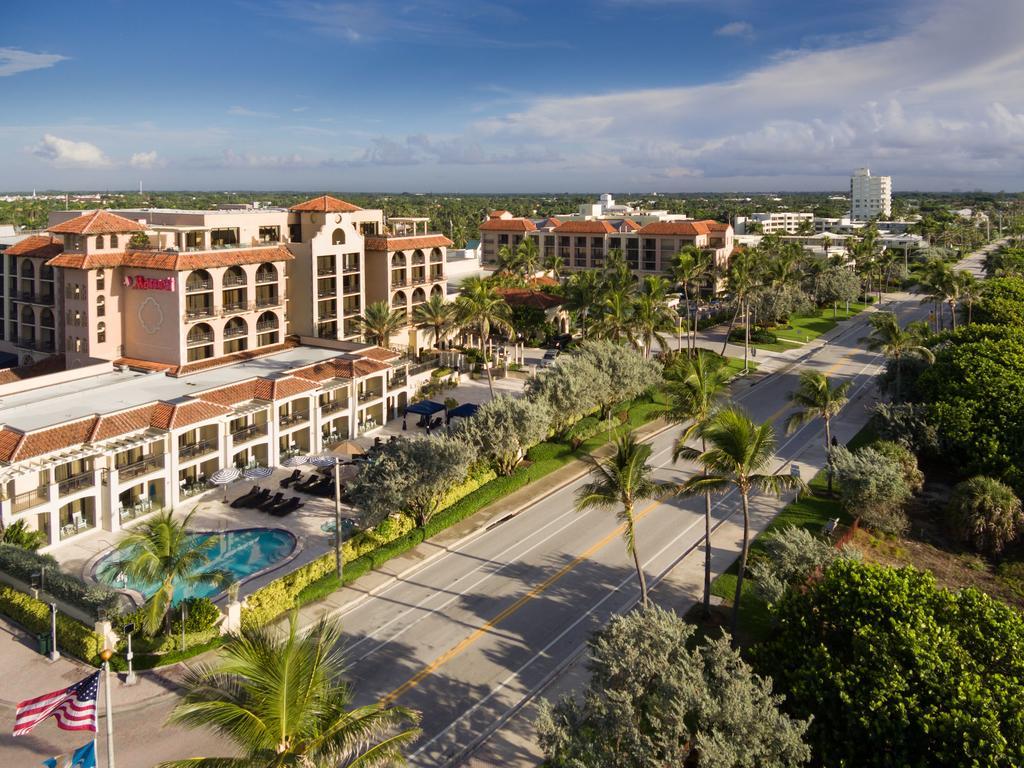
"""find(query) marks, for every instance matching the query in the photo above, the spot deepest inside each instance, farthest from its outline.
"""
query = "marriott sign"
(149, 283)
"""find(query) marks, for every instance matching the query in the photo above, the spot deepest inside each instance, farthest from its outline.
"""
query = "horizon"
(668, 96)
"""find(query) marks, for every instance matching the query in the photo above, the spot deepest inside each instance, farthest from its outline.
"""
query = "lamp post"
(130, 678)
(38, 590)
(105, 654)
(338, 559)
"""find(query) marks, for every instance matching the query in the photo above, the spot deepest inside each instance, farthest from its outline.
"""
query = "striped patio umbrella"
(224, 477)
(322, 460)
(257, 472)
(295, 461)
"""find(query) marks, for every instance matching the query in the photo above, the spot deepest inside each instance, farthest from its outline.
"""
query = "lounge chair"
(324, 488)
(258, 499)
(286, 507)
(308, 483)
(436, 423)
(242, 500)
(267, 505)
(292, 478)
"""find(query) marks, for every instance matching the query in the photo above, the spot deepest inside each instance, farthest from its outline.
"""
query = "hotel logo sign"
(140, 283)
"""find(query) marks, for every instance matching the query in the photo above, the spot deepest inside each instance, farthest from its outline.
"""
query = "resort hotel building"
(157, 346)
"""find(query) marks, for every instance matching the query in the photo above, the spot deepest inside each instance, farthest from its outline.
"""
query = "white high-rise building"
(870, 196)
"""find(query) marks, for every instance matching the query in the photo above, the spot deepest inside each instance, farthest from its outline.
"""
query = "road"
(472, 635)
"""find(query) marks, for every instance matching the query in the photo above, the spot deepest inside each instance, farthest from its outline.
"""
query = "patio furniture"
(78, 521)
(266, 506)
(308, 483)
(258, 499)
(244, 499)
(286, 507)
(292, 478)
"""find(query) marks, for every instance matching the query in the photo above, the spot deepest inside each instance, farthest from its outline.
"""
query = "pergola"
(423, 408)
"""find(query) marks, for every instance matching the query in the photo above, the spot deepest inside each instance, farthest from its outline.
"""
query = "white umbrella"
(254, 473)
(225, 476)
(322, 460)
(294, 461)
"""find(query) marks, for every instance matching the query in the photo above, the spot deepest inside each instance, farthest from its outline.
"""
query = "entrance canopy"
(463, 411)
(424, 408)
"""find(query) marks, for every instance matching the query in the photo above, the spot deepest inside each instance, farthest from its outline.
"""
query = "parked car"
(549, 357)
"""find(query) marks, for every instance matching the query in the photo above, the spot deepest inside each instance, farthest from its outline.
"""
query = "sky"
(492, 96)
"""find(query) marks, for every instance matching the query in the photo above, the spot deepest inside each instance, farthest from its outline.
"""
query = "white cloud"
(232, 159)
(145, 160)
(736, 29)
(64, 153)
(15, 60)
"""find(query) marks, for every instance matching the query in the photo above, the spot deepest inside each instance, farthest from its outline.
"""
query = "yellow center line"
(470, 639)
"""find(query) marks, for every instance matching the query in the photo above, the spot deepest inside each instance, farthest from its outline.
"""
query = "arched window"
(234, 277)
(436, 291)
(28, 270)
(28, 317)
(46, 318)
(398, 301)
(267, 273)
(101, 306)
(235, 327)
(101, 279)
(199, 280)
(398, 260)
(200, 333)
(46, 272)
(436, 255)
(267, 329)
(101, 332)
(113, 241)
(419, 296)
(100, 241)
(338, 237)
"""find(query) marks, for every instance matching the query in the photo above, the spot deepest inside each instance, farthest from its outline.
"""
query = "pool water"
(242, 553)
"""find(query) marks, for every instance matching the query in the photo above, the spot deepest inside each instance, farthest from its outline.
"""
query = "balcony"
(351, 287)
(268, 301)
(436, 275)
(365, 397)
(203, 338)
(139, 468)
(236, 307)
(189, 451)
(139, 508)
(248, 433)
(30, 499)
(266, 327)
(198, 313)
(327, 293)
(400, 283)
(333, 406)
(31, 297)
(349, 267)
(291, 419)
(262, 279)
(233, 333)
(76, 483)
(233, 281)
(195, 286)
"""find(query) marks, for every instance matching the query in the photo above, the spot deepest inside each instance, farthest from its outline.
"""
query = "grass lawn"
(812, 512)
(804, 328)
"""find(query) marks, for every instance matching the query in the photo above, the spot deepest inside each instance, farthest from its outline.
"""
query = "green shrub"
(757, 336)
(440, 373)
(24, 564)
(73, 637)
(985, 514)
(200, 615)
(165, 644)
(907, 461)
(584, 429)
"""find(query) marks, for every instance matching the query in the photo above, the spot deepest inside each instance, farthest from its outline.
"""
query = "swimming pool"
(242, 552)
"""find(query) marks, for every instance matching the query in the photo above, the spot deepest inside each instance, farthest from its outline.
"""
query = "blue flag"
(83, 757)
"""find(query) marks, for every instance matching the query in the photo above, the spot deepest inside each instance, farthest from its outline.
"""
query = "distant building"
(870, 196)
(774, 222)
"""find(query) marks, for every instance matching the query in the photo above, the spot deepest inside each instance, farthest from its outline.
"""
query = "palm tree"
(616, 320)
(936, 280)
(689, 268)
(282, 701)
(379, 322)
(740, 453)
(508, 261)
(166, 552)
(970, 291)
(436, 313)
(528, 257)
(652, 319)
(742, 282)
(620, 482)
(817, 399)
(554, 264)
(480, 308)
(695, 394)
(583, 291)
(896, 343)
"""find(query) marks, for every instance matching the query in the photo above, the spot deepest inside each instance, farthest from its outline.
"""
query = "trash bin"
(43, 641)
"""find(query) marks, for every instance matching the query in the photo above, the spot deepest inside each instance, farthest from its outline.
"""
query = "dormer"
(96, 232)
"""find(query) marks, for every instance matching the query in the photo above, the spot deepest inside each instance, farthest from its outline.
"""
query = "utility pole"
(338, 559)
(105, 654)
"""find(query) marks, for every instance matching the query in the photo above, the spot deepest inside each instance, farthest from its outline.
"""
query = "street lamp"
(38, 589)
(130, 678)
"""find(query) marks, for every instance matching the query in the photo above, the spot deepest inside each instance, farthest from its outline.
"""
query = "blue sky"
(474, 95)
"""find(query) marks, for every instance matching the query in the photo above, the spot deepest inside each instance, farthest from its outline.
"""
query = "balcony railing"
(236, 307)
(194, 286)
(437, 275)
(197, 340)
(401, 283)
(350, 266)
(191, 450)
(351, 287)
(327, 293)
(267, 301)
(32, 297)
(233, 281)
(248, 433)
(143, 467)
(266, 277)
(75, 483)
(288, 419)
(30, 499)
(365, 396)
(198, 313)
(265, 327)
(333, 406)
(235, 332)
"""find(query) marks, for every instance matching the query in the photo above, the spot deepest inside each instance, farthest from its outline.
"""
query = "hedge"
(24, 564)
(73, 637)
(584, 429)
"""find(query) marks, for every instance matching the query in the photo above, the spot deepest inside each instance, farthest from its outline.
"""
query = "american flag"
(74, 708)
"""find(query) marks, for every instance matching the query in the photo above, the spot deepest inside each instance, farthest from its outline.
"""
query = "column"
(315, 423)
(273, 430)
(54, 510)
(112, 512)
(172, 492)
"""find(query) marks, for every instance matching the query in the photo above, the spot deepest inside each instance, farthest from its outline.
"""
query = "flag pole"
(105, 654)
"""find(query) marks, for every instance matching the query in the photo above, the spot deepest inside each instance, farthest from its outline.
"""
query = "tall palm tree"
(970, 291)
(583, 291)
(620, 482)
(480, 308)
(528, 257)
(936, 280)
(740, 453)
(695, 394)
(379, 322)
(818, 399)
(742, 282)
(652, 319)
(896, 343)
(282, 701)
(436, 313)
(554, 264)
(690, 268)
(508, 261)
(616, 320)
(166, 552)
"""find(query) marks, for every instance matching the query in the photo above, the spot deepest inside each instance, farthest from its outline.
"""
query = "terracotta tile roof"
(173, 261)
(317, 372)
(326, 204)
(508, 225)
(406, 242)
(543, 280)
(356, 369)
(36, 245)
(378, 353)
(123, 423)
(175, 415)
(9, 440)
(53, 439)
(631, 224)
(599, 227)
(236, 357)
(231, 395)
(716, 226)
(550, 221)
(52, 364)
(144, 365)
(524, 297)
(279, 389)
(678, 228)
(498, 214)
(97, 223)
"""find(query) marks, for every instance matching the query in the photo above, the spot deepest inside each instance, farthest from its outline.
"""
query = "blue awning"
(463, 411)
(424, 408)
